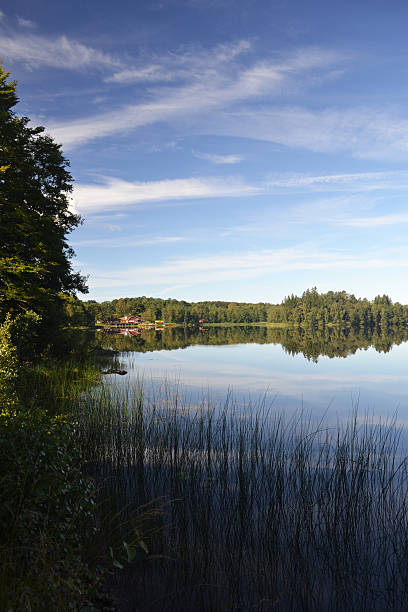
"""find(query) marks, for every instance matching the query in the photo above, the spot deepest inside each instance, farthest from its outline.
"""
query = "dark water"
(328, 372)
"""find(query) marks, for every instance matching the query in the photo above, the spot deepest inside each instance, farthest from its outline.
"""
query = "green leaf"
(130, 551)
(140, 542)
(117, 564)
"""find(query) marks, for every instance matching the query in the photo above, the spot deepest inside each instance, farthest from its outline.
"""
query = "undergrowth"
(47, 501)
(46, 515)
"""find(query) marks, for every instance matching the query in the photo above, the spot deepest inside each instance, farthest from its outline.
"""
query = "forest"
(311, 309)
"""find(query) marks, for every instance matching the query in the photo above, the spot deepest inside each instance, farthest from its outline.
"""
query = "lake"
(327, 373)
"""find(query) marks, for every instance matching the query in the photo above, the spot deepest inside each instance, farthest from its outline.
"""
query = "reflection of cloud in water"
(252, 377)
(373, 381)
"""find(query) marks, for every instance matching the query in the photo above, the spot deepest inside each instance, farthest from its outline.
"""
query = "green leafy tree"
(35, 188)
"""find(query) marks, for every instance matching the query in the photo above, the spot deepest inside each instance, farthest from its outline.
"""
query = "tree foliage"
(312, 309)
(35, 186)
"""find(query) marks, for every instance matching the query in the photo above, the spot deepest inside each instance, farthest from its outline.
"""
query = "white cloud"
(163, 146)
(304, 58)
(201, 92)
(380, 221)
(193, 84)
(219, 159)
(115, 193)
(173, 104)
(239, 266)
(133, 75)
(364, 132)
(25, 23)
(359, 181)
(136, 241)
(2, 15)
(185, 65)
(60, 52)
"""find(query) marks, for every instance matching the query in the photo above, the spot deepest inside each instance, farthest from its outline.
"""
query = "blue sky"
(225, 149)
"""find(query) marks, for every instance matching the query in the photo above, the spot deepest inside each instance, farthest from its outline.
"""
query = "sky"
(238, 150)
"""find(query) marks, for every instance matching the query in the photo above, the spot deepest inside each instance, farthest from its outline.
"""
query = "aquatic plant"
(253, 510)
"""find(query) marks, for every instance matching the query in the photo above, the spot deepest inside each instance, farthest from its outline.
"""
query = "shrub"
(46, 514)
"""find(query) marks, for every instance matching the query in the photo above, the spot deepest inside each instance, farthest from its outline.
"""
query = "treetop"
(8, 96)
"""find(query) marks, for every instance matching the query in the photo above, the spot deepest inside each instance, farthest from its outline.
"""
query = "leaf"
(130, 551)
(141, 543)
(117, 564)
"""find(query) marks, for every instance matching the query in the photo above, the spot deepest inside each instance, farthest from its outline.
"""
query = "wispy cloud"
(25, 23)
(359, 181)
(219, 159)
(112, 193)
(61, 52)
(367, 133)
(200, 93)
(152, 72)
(380, 221)
(217, 87)
(136, 241)
(187, 65)
(164, 146)
(115, 193)
(238, 266)
(173, 104)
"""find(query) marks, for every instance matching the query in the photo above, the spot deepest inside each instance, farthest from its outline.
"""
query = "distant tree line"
(310, 310)
(341, 309)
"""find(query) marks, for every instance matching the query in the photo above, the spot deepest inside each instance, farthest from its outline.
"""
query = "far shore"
(206, 325)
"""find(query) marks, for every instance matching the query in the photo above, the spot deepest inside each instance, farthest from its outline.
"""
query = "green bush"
(46, 502)
(46, 514)
(25, 332)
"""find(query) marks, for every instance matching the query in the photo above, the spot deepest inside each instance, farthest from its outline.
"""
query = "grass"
(230, 510)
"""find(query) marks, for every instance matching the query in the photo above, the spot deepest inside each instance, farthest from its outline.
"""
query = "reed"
(228, 508)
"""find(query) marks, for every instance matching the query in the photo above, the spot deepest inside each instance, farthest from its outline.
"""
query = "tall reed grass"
(231, 509)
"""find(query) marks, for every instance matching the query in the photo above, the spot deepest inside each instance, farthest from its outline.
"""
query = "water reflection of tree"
(330, 341)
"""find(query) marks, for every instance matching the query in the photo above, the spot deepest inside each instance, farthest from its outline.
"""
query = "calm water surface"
(370, 374)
